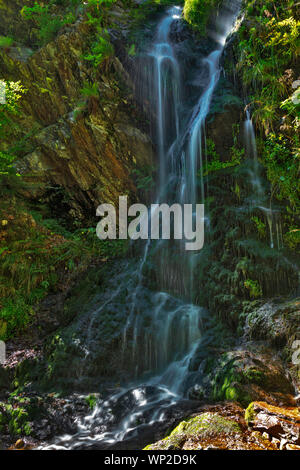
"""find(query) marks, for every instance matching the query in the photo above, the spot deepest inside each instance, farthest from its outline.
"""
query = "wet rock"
(281, 423)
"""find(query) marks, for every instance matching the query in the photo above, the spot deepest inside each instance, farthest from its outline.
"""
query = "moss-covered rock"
(244, 376)
(220, 428)
(204, 426)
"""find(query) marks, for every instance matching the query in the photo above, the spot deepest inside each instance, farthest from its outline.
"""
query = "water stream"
(259, 195)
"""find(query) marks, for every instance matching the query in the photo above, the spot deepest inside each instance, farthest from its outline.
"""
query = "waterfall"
(161, 336)
(250, 138)
(272, 216)
(183, 160)
(225, 24)
(167, 90)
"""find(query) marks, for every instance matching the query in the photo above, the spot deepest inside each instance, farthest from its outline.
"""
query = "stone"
(278, 422)
(19, 444)
(292, 447)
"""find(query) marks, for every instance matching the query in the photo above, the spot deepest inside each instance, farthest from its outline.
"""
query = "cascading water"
(167, 91)
(259, 195)
(162, 335)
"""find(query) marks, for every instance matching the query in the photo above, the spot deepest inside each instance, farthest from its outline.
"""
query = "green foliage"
(6, 164)
(90, 90)
(260, 226)
(292, 238)
(197, 12)
(132, 50)
(48, 24)
(13, 93)
(268, 51)
(101, 49)
(9, 110)
(91, 400)
(214, 164)
(6, 42)
(141, 16)
(282, 165)
(254, 288)
(16, 419)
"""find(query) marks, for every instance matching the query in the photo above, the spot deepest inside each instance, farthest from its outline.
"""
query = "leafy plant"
(254, 288)
(214, 164)
(6, 42)
(260, 226)
(101, 49)
(36, 258)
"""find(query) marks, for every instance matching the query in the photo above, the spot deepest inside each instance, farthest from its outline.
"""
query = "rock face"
(86, 146)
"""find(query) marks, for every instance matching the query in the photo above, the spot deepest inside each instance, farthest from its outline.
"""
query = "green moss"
(91, 401)
(250, 414)
(253, 376)
(206, 425)
(197, 12)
